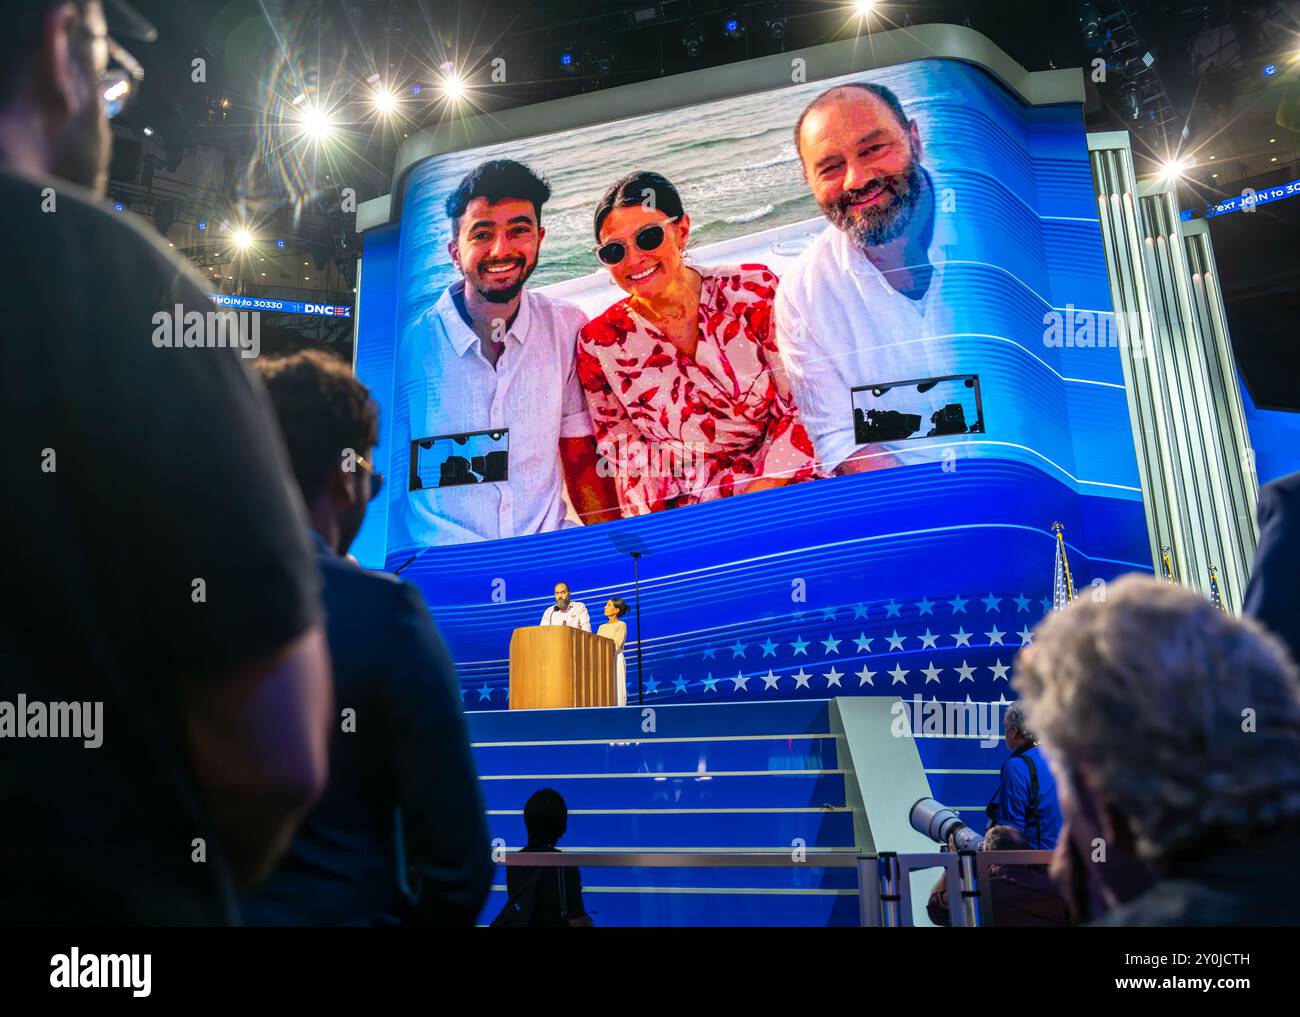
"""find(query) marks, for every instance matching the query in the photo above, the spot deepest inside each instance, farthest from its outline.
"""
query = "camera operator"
(1026, 795)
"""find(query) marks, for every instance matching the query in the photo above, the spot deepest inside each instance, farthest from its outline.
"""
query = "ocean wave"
(758, 213)
(787, 154)
(725, 139)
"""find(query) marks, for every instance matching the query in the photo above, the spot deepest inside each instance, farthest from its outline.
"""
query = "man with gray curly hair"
(1174, 729)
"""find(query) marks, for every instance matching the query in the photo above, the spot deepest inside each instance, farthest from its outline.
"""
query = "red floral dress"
(675, 430)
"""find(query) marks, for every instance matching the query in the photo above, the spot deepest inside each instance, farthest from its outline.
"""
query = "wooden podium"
(555, 666)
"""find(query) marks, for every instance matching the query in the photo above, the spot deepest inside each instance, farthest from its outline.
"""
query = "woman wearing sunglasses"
(686, 392)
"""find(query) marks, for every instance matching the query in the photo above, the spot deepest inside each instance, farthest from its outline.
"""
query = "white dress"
(617, 631)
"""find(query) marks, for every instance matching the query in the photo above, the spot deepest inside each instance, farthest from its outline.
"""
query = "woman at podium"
(616, 629)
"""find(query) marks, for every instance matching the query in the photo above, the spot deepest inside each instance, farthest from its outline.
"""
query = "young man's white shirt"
(533, 391)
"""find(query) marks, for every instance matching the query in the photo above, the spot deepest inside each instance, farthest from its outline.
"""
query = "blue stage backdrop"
(923, 578)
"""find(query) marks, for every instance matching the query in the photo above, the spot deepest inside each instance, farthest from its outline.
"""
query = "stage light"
(415, 89)
(776, 27)
(383, 100)
(148, 132)
(316, 123)
(1270, 70)
(118, 206)
(569, 62)
(1172, 169)
(453, 88)
(242, 238)
(693, 40)
(300, 98)
(863, 7)
(202, 225)
(279, 244)
(373, 79)
(733, 27)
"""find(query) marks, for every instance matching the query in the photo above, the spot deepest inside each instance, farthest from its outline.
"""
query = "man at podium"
(568, 612)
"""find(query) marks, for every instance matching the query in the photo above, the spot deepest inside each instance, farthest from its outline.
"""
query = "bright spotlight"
(316, 122)
(453, 88)
(384, 100)
(242, 238)
(1172, 169)
(863, 7)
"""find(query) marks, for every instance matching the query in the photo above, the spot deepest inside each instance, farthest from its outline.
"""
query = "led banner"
(280, 306)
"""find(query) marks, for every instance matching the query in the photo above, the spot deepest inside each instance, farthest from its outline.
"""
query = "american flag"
(1062, 584)
(1215, 599)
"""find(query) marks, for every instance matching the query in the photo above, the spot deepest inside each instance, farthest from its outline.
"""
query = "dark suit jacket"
(400, 835)
(1273, 593)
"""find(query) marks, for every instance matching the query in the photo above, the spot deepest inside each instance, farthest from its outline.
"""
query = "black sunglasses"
(647, 238)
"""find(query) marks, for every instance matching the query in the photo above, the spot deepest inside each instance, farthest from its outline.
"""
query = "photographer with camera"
(1026, 796)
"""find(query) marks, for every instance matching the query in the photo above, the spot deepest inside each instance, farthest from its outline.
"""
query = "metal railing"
(884, 884)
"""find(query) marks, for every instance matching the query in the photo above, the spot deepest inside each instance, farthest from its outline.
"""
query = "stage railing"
(884, 883)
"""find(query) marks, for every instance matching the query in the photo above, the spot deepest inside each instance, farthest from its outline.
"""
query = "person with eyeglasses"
(160, 564)
(687, 396)
(400, 836)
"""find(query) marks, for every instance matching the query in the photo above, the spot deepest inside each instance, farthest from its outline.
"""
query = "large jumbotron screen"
(993, 401)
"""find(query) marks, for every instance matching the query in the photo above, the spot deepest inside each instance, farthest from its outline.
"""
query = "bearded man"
(862, 305)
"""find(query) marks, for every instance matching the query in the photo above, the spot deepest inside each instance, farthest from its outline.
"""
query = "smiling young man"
(499, 358)
(862, 306)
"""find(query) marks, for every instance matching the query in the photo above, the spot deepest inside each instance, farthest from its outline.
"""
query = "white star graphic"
(833, 677)
(865, 677)
(863, 643)
(891, 609)
(958, 604)
(926, 605)
(965, 673)
(931, 673)
(996, 636)
(770, 680)
(999, 670)
(801, 679)
(991, 602)
(831, 643)
(895, 640)
(1026, 637)
(899, 675)
(962, 637)
(800, 645)
(741, 682)
(928, 640)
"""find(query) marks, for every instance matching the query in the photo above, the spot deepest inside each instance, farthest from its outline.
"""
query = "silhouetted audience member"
(544, 896)
(160, 571)
(1271, 595)
(1175, 728)
(400, 835)
(1021, 896)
